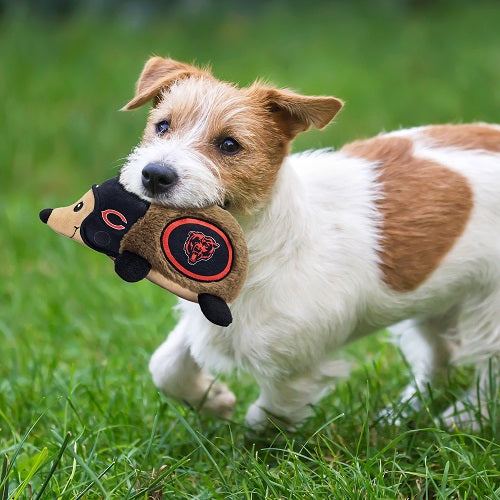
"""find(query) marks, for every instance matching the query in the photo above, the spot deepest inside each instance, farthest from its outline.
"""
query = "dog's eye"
(229, 146)
(78, 206)
(162, 127)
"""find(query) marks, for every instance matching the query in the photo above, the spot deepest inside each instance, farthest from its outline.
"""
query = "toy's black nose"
(157, 178)
(45, 214)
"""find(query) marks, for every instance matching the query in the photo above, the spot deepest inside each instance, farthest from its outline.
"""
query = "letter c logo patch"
(106, 213)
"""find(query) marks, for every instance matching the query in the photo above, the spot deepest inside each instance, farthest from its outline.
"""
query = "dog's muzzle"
(158, 178)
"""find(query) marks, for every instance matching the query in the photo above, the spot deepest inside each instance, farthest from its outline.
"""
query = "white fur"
(198, 184)
(314, 283)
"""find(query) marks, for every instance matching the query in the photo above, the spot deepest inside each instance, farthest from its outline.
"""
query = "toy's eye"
(229, 146)
(78, 206)
(162, 127)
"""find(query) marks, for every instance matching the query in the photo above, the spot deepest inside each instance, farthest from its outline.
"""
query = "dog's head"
(208, 142)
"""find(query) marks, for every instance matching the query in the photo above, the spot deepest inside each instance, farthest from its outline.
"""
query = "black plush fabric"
(131, 267)
(115, 212)
(215, 309)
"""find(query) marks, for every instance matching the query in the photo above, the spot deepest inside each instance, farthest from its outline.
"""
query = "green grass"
(78, 411)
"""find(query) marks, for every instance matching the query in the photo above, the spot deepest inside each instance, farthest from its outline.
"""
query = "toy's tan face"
(67, 220)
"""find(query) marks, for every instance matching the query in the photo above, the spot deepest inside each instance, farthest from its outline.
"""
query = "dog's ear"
(158, 74)
(295, 113)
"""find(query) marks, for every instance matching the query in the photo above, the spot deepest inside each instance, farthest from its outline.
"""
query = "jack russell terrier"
(402, 229)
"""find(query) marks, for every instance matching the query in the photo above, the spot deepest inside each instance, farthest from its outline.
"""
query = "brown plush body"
(200, 255)
(144, 239)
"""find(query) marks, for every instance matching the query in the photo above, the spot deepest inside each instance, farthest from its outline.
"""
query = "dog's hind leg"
(425, 344)
(177, 374)
(285, 402)
(478, 343)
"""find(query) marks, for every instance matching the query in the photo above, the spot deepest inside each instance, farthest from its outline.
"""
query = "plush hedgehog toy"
(200, 255)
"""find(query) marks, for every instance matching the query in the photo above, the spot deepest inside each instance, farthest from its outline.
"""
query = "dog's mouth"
(74, 232)
(166, 201)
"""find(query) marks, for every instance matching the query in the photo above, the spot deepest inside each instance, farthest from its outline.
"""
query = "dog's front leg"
(177, 374)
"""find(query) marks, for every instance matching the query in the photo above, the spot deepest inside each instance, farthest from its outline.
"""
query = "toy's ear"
(295, 113)
(158, 74)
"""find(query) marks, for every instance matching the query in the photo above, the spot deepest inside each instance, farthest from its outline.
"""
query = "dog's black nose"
(157, 178)
(45, 214)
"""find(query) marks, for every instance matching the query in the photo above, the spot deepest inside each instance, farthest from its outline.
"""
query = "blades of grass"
(94, 401)
(4, 490)
(18, 449)
(126, 479)
(54, 465)
(40, 459)
(10, 425)
(259, 468)
(164, 473)
(196, 437)
(71, 476)
(70, 391)
(324, 426)
(444, 479)
(82, 464)
(364, 430)
(398, 439)
(73, 407)
(153, 431)
(493, 395)
(429, 480)
(80, 495)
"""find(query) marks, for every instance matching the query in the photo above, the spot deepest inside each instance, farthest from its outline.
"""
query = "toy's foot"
(215, 309)
(131, 267)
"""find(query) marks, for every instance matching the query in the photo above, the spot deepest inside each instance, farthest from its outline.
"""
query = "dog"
(401, 229)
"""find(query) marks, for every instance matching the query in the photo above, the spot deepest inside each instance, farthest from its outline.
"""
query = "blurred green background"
(74, 339)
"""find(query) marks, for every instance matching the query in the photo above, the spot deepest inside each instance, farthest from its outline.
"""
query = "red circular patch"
(197, 249)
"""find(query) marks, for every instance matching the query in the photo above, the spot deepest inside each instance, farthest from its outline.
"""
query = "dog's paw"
(261, 421)
(219, 401)
(256, 418)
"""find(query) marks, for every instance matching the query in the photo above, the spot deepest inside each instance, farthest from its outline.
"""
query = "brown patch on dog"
(474, 136)
(425, 208)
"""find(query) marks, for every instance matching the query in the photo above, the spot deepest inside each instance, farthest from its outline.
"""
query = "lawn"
(79, 415)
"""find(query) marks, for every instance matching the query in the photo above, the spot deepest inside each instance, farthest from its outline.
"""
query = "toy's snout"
(45, 214)
(68, 220)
